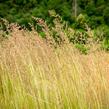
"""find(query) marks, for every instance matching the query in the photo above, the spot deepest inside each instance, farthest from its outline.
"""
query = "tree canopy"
(21, 11)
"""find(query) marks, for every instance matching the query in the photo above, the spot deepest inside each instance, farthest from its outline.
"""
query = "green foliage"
(106, 15)
(95, 12)
(21, 11)
(82, 48)
(101, 32)
(42, 34)
(105, 44)
(96, 21)
(80, 37)
(81, 21)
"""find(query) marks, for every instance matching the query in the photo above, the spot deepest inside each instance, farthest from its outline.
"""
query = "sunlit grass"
(36, 76)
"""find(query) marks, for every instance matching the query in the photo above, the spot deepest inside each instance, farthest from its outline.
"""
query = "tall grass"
(34, 75)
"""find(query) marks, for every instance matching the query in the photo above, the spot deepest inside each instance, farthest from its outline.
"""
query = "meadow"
(35, 75)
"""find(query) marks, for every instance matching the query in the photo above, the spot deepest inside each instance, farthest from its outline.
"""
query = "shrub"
(95, 21)
(80, 37)
(81, 21)
(102, 35)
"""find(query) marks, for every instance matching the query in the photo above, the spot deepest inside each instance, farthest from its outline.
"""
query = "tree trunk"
(74, 8)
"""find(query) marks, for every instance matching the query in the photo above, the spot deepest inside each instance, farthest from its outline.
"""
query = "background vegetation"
(21, 11)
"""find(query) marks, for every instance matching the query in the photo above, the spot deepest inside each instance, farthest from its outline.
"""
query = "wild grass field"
(34, 75)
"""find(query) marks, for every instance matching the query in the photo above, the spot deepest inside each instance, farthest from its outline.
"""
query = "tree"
(75, 7)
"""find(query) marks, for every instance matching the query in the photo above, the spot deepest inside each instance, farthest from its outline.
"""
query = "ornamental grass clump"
(34, 75)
